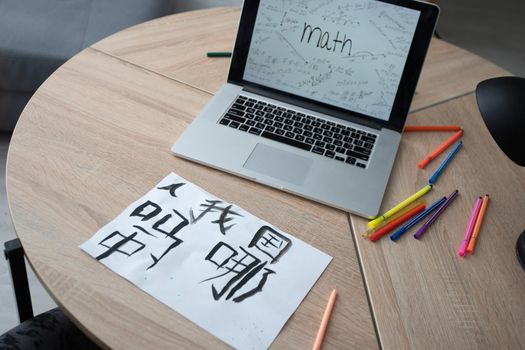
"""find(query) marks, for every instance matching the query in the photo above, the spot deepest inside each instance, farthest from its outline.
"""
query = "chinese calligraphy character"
(271, 243)
(169, 225)
(142, 210)
(118, 243)
(243, 267)
(172, 188)
(212, 206)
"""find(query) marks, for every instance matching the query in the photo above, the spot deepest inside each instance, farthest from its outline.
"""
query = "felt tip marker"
(395, 236)
(470, 226)
(434, 216)
(451, 155)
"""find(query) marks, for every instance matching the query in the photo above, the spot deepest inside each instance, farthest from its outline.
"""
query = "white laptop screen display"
(349, 54)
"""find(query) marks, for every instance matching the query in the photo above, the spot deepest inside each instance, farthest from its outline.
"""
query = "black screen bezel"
(414, 63)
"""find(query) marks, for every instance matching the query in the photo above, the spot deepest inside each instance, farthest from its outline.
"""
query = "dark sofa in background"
(37, 36)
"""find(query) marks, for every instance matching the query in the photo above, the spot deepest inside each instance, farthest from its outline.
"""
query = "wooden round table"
(97, 135)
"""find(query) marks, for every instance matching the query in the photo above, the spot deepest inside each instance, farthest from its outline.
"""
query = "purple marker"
(433, 218)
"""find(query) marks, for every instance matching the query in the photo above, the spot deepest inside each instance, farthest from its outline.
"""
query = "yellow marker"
(403, 211)
(374, 223)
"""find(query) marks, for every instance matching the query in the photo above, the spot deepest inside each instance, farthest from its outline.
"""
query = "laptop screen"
(349, 54)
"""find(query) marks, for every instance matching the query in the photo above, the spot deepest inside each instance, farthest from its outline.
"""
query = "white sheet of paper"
(231, 273)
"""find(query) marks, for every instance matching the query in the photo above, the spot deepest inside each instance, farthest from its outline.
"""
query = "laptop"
(316, 98)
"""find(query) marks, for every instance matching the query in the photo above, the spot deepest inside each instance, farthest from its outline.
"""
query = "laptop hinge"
(290, 99)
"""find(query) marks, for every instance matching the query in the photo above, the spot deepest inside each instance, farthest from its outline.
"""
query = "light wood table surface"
(96, 136)
(423, 295)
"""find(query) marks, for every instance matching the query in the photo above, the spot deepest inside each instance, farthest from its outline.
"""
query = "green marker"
(219, 54)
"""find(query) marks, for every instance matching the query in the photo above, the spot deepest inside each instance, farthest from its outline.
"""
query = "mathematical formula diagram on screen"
(350, 55)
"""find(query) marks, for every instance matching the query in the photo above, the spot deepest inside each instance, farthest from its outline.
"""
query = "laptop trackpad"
(279, 164)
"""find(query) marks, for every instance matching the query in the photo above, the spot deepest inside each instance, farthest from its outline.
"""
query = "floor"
(491, 29)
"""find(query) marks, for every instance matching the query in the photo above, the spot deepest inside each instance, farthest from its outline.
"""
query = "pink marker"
(472, 221)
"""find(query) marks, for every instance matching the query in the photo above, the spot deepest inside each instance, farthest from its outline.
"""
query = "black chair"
(49, 330)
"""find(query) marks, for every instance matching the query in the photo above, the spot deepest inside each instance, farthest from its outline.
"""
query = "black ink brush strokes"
(172, 188)
(115, 248)
(224, 219)
(212, 206)
(253, 291)
(271, 243)
(169, 234)
(156, 210)
(169, 225)
(244, 268)
(156, 260)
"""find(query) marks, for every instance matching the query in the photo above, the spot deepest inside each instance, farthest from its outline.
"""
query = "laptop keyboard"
(319, 136)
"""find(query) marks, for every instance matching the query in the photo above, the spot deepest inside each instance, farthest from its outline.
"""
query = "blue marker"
(416, 219)
(445, 162)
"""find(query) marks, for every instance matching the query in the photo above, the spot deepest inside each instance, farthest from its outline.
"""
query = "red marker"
(397, 222)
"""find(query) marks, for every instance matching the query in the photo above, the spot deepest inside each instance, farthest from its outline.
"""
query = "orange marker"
(395, 223)
(409, 128)
(403, 211)
(475, 232)
(324, 321)
(440, 149)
